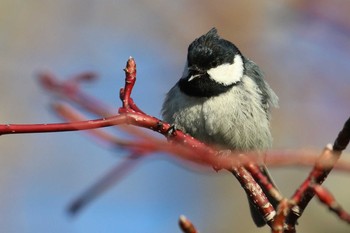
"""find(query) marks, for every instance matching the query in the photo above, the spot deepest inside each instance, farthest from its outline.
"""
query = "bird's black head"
(210, 51)
(213, 66)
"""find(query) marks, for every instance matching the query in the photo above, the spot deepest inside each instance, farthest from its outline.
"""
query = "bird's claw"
(172, 131)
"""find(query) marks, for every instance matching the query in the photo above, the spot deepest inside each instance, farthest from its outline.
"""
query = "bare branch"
(322, 168)
(111, 178)
(328, 199)
(59, 127)
(255, 193)
(187, 148)
(278, 225)
(69, 90)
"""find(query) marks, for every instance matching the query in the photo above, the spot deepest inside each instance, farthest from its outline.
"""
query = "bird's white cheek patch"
(228, 74)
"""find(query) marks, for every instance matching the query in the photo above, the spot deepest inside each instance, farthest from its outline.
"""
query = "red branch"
(255, 193)
(253, 168)
(186, 147)
(278, 225)
(70, 90)
(130, 79)
(112, 177)
(328, 199)
(305, 193)
(59, 127)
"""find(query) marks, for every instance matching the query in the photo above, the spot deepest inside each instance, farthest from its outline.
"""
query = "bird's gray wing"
(268, 97)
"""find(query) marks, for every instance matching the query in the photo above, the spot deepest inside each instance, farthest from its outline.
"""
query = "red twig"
(108, 180)
(300, 158)
(253, 168)
(322, 168)
(186, 225)
(328, 199)
(71, 115)
(130, 79)
(304, 194)
(255, 193)
(58, 127)
(278, 225)
(69, 90)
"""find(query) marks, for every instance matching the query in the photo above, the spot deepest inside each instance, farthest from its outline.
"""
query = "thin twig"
(319, 173)
(255, 193)
(278, 225)
(108, 180)
(186, 225)
(328, 199)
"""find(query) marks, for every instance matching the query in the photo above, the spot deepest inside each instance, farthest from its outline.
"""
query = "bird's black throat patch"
(203, 86)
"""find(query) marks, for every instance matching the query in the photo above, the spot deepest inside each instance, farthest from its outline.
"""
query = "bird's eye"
(213, 64)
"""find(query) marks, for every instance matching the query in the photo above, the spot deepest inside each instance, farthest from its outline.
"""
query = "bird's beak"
(194, 72)
(193, 77)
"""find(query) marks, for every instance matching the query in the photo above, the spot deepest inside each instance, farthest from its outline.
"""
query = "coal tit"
(222, 99)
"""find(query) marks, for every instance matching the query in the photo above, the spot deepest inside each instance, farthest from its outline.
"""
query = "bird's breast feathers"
(232, 120)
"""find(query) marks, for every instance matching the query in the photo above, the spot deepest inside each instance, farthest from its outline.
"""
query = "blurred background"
(303, 47)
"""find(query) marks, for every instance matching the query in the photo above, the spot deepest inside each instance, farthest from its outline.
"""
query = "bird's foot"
(172, 131)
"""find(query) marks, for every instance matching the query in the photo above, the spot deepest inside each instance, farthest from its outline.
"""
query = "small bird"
(222, 100)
